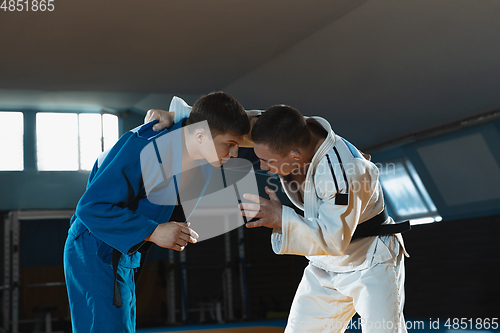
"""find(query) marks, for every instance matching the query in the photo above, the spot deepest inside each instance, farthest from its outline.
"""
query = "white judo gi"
(343, 277)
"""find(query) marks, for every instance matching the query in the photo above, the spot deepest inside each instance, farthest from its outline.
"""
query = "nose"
(264, 166)
(233, 152)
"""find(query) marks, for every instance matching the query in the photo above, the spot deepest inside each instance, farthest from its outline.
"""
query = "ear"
(200, 135)
(296, 155)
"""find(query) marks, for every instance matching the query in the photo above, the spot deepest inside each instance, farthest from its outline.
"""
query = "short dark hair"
(223, 113)
(282, 128)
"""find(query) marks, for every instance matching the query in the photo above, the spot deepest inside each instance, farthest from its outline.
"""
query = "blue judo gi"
(115, 213)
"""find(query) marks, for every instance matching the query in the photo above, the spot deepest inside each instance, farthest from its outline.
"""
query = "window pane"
(57, 141)
(11, 141)
(421, 186)
(90, 139)
(401, 191)
(110, 130)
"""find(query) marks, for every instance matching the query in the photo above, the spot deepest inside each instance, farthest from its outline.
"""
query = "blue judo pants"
(90, 285)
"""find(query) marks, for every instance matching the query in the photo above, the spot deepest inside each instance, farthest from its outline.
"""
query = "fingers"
(253, 214)
(187, 234)
(151, 115)
(251, 210)
(174, 235)
(148, 117)
(367, 157)
(177, 247)
(181, 242)
(191, 232)
(154, 114)
(253, 197)
(256, 224)
(189, 237)
(249, 206)
(268, 212)
(272, 195)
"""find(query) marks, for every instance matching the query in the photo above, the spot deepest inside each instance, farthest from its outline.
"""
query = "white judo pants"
(326, 301)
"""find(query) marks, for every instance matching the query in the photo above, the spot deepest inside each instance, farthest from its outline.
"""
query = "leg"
(90, 289)
(317, 306)
(378, 294)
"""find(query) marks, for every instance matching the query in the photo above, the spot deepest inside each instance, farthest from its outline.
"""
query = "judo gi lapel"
(311, 203)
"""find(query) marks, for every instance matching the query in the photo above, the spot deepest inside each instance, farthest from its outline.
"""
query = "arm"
(180, 109)
(329, 232)
(104, 209)
(166, 120)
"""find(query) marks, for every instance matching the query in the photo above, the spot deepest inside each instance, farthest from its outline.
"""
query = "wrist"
(151, 236)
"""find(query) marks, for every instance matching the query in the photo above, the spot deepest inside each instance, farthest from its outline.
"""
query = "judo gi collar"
(325, 147)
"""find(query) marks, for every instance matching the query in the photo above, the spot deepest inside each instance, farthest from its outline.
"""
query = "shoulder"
(342, 167)
(146, 131)
(350, 157)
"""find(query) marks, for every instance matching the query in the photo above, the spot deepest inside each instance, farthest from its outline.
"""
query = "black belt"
(117, 299)
(374, 227)
(115, 260)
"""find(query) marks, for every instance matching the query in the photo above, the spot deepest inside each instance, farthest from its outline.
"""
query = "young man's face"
(226, 146)
(275, 163)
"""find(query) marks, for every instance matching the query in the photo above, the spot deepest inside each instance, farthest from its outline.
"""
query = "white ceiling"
(376, 69)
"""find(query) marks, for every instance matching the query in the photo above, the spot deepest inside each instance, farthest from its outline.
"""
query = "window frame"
(23, 129)
(102, 113)
(432, 215)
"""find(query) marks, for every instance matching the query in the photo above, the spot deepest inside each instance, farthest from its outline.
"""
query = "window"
(71, 142)
(11, 141)
(406, 194)
(97, 133)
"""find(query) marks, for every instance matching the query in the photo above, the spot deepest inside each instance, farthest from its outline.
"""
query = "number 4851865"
(27, 5)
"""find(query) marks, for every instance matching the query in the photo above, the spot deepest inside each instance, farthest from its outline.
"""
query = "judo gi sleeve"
(329, 232)
(105, 207)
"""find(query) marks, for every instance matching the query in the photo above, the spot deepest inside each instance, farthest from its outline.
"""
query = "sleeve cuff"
(280, 236)
(136, 244)
(277, 240)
